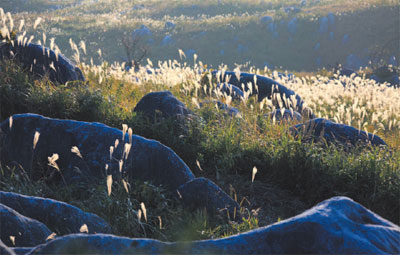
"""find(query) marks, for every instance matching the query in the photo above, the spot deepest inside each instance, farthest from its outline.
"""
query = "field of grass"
(291, 176)
(223, 31)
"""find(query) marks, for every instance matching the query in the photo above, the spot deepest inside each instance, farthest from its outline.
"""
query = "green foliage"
(227, 148)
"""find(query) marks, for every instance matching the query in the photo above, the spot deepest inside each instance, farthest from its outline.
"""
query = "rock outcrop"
(42, 61)
(162, 104)
(331, 132)
(58, 216)
(285, 115)
(335, 226)
(264, 88)
(24, 231)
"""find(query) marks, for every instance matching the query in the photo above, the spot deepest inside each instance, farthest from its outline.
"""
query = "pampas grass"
(109, 184)
(35, 139)
(84, 229)
(75, 150)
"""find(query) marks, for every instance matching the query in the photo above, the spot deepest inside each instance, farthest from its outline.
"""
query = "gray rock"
(285, 115)
(161, 105)
(386, 74)
(335, 226)
(21, 250)
(231, 90)
(203, 193)
(4, 250)
(265, 86)
(232, 111)
(39, 59)
(27, 232)
(315, 129)
(58, 216)
(148, 160)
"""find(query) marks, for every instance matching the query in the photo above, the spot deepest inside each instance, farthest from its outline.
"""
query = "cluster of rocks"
(148, 161)
(335, 226)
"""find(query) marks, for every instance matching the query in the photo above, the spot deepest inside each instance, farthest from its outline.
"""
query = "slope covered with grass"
(291, 175)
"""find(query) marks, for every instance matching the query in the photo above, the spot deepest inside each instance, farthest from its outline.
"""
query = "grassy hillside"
(224, 31)
(291, 176)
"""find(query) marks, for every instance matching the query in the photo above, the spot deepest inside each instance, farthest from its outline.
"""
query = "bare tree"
(135, 49)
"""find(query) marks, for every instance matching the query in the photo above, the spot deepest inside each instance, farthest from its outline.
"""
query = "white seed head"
(52, 161)
(109, 184)
(142, 206)
(12, 238)
(84, 229)
(37, 22)
(125, 185)
(51, 236)
(254, 174)
(124, 129)
(75, 150)
(130, 135)
(35, 139)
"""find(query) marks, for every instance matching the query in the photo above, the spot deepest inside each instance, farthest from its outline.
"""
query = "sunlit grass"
(244, 155)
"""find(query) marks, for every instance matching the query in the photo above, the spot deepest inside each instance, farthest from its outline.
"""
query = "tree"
(136, 50)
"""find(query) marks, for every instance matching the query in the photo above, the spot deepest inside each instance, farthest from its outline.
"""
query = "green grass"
(371, 25)
(292, 176)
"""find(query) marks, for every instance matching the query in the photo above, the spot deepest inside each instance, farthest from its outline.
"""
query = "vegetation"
(291, 176)
(222, 31)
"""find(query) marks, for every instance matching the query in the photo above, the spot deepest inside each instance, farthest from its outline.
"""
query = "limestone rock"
(264, 86)
(203, 193)
(316, 129)
(58, 216)
(161, 104)
(335, 226)
(26, 231)
(41, 61)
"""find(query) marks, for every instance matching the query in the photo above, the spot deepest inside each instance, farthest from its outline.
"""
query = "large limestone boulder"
(331, 132)
(335, 226)
(148, 160)
(24, 231)
(42, 61)
(263, 89)
(58, 216)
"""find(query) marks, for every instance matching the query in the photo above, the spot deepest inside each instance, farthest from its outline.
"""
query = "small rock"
(232, 111)
(169, 25)
(231, 90)
(286, 115)
(161, 104)
(203, 193)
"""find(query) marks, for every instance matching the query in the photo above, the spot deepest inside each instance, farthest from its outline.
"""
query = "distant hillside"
(295, 35)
